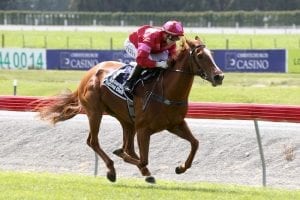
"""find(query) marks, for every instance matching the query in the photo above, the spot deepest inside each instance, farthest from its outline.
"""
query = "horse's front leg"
(182, 130)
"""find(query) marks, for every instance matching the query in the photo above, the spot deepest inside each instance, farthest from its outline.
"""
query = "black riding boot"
(132, 78)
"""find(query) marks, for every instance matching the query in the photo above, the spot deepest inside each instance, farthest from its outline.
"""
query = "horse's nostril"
(219, 77)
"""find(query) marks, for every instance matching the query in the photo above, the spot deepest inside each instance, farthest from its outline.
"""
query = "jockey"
(151, 47)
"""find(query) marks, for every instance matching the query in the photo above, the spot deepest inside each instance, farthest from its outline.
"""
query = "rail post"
(111, 43)
(261, 152)
(15, 87)
(96, 165)
(227, 43)
(3, 40)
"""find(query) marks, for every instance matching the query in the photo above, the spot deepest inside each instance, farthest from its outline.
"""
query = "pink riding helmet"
(173, 28)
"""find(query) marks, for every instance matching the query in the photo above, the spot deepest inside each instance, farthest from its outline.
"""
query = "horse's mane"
(183, 45)
(181, 48)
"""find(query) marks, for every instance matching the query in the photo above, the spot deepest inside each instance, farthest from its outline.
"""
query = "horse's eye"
(200, 55)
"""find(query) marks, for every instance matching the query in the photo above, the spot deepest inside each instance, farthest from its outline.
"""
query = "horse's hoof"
(150, 179)
(111, 177)
(118, 152)
(179, 170)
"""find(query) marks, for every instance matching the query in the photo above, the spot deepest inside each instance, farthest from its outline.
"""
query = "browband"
(196, 47)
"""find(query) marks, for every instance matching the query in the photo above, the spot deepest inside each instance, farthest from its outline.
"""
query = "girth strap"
(166, 101)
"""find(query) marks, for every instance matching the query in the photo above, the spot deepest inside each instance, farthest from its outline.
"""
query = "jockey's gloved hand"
(162, 64)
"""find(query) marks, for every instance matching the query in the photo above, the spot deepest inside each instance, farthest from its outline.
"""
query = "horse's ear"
(199, 39)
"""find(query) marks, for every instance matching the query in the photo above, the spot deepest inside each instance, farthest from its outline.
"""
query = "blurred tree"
(49, 5)
(4, 4)
(223, 5)
(150, 6)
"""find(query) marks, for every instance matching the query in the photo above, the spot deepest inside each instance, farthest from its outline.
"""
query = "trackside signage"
(82, 59)
(228, 60)
(251, 60)
(19, 58)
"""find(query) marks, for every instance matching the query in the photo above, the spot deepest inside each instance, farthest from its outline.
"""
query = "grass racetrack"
(16, 185)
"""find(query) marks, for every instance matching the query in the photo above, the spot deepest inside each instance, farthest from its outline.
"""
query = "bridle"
(200, 70)
(192, 60)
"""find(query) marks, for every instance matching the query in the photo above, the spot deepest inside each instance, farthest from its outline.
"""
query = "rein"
(182, 71)
(161, 98)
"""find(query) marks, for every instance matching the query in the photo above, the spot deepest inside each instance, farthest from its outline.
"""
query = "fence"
(227, 111)
(189, 19)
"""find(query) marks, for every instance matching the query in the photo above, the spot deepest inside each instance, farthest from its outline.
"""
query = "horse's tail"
(59, 108)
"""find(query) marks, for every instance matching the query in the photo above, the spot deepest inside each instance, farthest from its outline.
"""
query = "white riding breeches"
(132, 51)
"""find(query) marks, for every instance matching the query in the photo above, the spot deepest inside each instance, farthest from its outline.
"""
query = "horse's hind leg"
(183, 131)
(93, 142)
(127, 152)
(90, 99)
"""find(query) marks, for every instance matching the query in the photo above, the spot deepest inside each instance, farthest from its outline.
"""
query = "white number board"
(17, 58)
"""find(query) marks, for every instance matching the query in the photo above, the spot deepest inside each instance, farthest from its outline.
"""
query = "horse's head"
(201, 61)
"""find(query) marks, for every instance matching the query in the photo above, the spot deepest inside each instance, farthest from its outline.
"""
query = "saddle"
(116, 80)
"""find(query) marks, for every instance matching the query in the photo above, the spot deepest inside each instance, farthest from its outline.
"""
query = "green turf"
(104, 40)
(270, 88)
(14, 185)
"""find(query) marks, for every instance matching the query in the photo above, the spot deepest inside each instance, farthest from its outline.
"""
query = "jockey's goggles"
(173, 38)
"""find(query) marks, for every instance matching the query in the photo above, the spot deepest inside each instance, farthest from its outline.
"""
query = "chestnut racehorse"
(160, 104)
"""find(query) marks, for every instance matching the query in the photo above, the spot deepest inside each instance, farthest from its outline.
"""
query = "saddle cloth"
(116, 80)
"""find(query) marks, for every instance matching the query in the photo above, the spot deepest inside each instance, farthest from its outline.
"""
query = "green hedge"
(189, 19)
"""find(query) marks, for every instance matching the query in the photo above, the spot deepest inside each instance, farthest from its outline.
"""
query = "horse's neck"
(178, 80)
